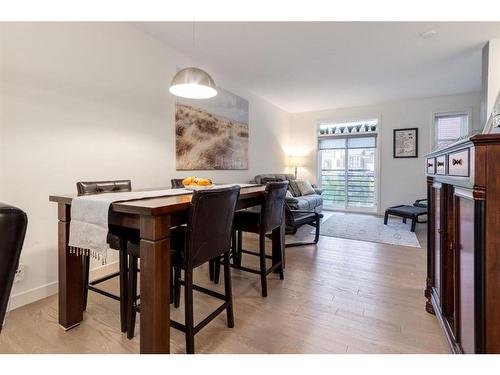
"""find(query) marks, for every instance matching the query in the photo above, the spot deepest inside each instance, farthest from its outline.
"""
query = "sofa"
(310, 202)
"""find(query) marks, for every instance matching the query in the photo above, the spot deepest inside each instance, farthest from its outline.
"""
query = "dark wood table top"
(160, 205)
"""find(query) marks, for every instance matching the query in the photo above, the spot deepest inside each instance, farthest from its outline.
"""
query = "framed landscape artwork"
(212, 133)
(406, 143)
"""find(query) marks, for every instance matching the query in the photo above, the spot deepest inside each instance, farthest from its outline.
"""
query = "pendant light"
(193, 83)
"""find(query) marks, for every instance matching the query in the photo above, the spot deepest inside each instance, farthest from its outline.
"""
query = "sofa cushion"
(313, 202)
(310, 202)
(294, 188)
(305, 187)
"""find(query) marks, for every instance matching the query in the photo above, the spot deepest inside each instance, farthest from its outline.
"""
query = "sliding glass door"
(347, 172)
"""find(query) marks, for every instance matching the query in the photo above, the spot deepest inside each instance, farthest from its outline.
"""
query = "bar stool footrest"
(182, 327)
(104, 278)
(255, 253)
(103, 292)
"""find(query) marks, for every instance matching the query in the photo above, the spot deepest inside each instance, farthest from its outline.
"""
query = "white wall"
(493, 75)
(89, 102)
(401, 180)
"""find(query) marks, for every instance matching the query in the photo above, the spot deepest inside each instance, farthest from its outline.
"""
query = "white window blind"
(347, 142)
(450, 127)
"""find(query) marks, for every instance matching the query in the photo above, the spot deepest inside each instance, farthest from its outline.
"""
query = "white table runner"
(88, 229)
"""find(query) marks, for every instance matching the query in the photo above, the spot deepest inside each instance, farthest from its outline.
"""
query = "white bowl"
(195, 187)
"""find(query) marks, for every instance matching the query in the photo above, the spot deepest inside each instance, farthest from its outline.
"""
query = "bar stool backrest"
(210, 222)
(13, 222)
(272, 209)
(96, 187)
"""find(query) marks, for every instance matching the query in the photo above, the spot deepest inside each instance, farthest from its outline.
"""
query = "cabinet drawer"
(458, 163)
(441, 165)
(431, 165)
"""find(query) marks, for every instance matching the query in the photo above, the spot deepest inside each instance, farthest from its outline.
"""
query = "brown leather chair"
(206, 236)
(262, 222)
(117, 239)
(13, 223)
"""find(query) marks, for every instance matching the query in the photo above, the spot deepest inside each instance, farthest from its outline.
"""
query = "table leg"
(155, 284)
(70, 268)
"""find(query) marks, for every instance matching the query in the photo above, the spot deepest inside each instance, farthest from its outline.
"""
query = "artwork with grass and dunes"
(212, 133)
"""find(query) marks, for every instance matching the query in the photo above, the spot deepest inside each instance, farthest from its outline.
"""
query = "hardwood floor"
(341, 296)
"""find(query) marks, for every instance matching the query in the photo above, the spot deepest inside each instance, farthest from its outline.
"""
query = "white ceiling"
(304, 66)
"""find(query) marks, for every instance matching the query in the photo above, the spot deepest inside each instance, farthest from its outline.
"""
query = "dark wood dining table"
(153, 217)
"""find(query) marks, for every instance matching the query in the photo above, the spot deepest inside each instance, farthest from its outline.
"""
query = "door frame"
(376, 194)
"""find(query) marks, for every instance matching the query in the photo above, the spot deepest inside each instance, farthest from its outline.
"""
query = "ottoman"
(406, 212)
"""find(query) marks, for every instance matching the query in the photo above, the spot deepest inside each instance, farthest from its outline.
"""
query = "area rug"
(369, 228)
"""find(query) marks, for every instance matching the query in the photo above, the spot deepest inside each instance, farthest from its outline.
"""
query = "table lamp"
(295, 162)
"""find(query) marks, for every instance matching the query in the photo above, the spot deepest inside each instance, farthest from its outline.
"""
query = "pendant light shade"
(193, 83)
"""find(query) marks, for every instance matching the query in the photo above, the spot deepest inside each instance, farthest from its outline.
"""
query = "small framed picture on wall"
(406, 143)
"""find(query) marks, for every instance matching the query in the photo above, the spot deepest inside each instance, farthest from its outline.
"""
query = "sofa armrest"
(316, 189)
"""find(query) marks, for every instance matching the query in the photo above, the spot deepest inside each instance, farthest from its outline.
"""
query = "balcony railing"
(360, 187)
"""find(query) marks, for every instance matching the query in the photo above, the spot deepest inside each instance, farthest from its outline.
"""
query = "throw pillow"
(294, 188)
(305, 187)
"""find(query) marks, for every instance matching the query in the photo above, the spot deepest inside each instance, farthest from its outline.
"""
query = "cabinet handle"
(440, 163)
(456, 161)
(429, 165)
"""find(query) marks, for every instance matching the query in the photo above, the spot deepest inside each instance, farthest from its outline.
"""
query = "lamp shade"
(296, 161)
(193, 83)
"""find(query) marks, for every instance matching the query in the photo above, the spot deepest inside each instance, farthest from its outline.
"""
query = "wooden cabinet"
(463, 262)
(441, 165)
(463, 245)
(431, 166)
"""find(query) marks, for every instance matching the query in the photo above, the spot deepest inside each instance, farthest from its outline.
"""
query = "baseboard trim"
(32, 295)
(47, 290)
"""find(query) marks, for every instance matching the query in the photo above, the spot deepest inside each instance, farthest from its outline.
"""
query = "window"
(449, 127)
(347, 168)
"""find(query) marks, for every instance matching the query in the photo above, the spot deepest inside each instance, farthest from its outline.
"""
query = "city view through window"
(347, 170)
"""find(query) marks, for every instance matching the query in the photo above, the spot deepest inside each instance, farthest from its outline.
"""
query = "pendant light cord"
(194, 30)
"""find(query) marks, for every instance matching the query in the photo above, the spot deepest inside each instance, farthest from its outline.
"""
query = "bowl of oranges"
(196, 183)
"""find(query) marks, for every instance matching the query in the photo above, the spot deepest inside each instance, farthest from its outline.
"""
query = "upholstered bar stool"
(13, 222)
(206, 236)
(261, 222)
(117, 240)
(177, 184)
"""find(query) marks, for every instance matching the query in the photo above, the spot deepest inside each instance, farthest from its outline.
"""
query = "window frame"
(437, 114)
(341, 120)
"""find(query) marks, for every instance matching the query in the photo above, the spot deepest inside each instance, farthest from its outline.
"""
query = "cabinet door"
(437, 201)
(464, 269)
(441, 254)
